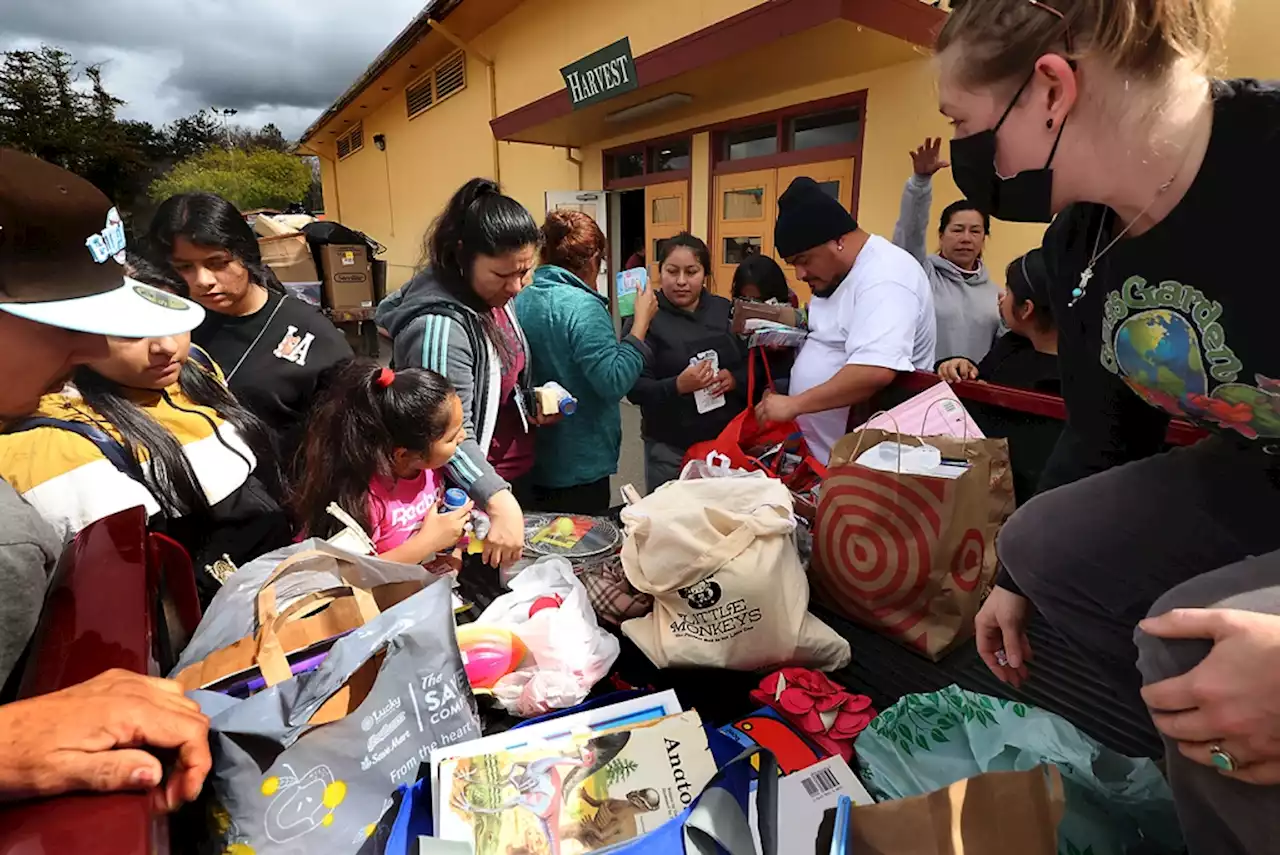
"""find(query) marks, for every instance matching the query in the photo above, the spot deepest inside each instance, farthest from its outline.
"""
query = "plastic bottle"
(454, 499)
(554, 398)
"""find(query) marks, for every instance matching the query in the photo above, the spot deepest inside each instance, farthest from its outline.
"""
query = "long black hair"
(688, 241)
(206, 219)
(764, 273)
(479, 220)
(353, 431)
(1027, 278)
(170, 477)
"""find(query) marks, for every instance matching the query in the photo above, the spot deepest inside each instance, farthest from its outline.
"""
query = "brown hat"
(62, 247)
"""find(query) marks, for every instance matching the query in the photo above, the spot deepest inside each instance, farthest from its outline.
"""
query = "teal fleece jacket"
(571, 337)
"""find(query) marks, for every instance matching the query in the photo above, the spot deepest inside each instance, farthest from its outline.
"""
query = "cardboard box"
(348, 276)
(289, 257)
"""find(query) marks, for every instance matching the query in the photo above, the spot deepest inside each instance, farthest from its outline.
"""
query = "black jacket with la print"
(276, 361)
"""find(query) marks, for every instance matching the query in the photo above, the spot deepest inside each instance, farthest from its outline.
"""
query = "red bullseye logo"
(966, 564)
(876, 541)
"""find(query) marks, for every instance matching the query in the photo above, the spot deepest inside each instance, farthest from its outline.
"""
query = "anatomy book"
(580, 795)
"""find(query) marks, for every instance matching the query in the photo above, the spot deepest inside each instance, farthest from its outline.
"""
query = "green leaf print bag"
(1116, 805)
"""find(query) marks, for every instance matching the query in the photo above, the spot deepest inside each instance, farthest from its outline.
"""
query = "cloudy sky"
(279, 61)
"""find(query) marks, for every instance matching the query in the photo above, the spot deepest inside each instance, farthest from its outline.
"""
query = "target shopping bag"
(911, 555)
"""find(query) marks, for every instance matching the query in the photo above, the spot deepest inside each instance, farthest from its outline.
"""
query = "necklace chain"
(1077, 293)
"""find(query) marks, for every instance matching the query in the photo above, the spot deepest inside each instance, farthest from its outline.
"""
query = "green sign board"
(605, 74)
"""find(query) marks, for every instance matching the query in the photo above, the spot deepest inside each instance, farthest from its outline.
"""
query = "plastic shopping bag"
(927, 742)
(312, 764)
(237, 610)
(570, 653)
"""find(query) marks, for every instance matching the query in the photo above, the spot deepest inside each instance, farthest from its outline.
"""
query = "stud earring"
(1049, 124)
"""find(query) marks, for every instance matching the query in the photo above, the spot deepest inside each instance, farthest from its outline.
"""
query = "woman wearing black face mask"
(1100, 112)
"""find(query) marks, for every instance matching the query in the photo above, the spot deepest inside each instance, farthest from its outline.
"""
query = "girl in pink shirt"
(374, 444)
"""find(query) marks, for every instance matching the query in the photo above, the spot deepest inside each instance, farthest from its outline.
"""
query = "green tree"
(256, 179)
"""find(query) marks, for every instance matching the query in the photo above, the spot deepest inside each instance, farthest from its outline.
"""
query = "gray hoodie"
(965, 303)
(431, 328)
(29, 551)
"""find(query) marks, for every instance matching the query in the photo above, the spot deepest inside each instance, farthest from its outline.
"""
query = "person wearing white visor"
(62, 289)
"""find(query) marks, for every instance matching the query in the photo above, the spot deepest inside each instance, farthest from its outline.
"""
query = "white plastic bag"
(570, 652)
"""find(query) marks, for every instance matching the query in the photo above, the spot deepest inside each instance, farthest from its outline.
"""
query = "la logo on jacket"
(293, 347)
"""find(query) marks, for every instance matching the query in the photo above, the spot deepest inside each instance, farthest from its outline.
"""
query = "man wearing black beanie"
(871, 315)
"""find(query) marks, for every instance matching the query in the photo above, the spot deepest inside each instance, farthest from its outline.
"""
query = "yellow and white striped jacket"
(68, 480)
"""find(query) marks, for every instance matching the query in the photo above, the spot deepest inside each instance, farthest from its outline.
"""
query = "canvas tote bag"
(910, 555)
(719, 558)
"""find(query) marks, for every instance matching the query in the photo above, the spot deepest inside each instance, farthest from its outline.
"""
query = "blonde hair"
(1146, 39)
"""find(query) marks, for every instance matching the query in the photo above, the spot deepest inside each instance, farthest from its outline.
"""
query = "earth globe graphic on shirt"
(1159, 355)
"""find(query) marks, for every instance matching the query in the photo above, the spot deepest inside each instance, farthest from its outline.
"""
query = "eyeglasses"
(1066, 28)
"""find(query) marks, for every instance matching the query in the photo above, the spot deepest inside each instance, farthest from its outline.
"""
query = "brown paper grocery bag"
(908, 555)
(999, 813)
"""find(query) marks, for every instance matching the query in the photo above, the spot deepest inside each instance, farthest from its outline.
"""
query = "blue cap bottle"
(454, 498)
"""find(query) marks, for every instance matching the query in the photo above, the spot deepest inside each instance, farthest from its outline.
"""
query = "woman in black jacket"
(691, 322)
(275, 349)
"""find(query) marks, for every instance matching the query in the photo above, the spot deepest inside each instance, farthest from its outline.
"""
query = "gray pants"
(1218, 814)
(662, 463)
(1097, 556)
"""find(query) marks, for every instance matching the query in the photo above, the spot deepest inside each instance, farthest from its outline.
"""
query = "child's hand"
(447, 529)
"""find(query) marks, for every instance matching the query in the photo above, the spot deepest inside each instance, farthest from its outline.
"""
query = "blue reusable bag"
(717, 821)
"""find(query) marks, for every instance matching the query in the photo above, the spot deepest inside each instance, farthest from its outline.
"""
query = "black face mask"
(1024, 198)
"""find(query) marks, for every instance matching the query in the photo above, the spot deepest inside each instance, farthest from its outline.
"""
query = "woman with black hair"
(152, 424)
(964, 297)
(691, 321)
(275, 348)
(760, 279)
(1026, 357)
(455, 318)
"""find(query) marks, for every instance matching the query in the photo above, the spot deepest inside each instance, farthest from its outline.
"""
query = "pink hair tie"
(385, 378)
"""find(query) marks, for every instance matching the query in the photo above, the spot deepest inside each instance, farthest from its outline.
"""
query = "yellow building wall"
(393, 196)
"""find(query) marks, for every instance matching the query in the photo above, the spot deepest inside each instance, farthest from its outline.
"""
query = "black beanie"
(808, 217)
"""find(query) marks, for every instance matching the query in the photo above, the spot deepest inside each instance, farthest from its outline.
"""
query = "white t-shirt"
(881, 316)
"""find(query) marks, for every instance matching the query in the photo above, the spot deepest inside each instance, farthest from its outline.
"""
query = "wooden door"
(745, 209)
(666, 215)
(835, 177)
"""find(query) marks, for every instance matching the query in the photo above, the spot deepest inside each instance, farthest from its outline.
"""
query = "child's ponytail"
(364, 415)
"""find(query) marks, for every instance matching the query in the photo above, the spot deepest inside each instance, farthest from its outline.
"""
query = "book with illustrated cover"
(586, 793)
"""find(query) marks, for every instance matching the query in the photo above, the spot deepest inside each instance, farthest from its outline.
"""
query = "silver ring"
(1222, 760)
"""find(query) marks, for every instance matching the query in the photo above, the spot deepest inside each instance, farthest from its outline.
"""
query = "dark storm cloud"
(245, 54)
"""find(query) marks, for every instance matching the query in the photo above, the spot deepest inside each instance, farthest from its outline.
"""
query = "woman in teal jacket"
(572, 340)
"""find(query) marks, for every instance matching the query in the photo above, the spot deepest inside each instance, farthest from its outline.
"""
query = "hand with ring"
(1225, 712)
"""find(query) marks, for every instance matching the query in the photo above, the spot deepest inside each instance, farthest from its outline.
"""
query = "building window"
(758, 141)
(670, 157)
(446, 78)
(628, 165)
(656, 161)
(351, 141)
(840, 127)
(739, 249)
(836, 128)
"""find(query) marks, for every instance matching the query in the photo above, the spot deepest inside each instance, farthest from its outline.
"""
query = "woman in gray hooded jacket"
(965, 299)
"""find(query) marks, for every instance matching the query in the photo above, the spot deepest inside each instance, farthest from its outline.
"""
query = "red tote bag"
(747, 444)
